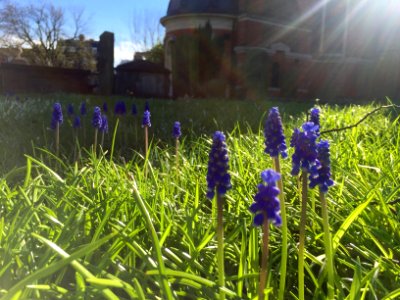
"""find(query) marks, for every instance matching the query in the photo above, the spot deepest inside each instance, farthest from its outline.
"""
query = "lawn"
(119, 224)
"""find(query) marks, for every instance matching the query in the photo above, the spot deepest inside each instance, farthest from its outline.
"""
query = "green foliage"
(156, 54)
(137, 228)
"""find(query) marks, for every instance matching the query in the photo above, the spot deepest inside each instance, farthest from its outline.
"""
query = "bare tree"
(39, 27)
(146, 31)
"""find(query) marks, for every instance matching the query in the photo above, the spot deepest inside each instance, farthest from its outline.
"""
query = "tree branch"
(361, 120)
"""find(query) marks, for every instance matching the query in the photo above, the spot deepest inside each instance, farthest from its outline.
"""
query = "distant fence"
(16, 78)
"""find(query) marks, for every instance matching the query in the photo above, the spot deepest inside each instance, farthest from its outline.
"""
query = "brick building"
(284, 48)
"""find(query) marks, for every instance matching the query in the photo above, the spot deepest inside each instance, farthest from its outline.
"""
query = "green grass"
(134, 227)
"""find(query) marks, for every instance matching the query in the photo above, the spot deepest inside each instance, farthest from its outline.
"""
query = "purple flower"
(305, 149)
(266, 202)
(96, 119)
(147, 106)
(323, 168)
(146, 119)
(105, 107)
(57, 116)
(70, 110)
(77, 122)
(104, 124)
(120, 108)
(218, 178)
(314, 117)
(273, 133)
(134, 109)
(176, 131)
(83, 109)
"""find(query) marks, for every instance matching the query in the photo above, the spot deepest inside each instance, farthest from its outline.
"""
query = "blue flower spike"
(218, 178)
(176, 131)
(146, 119)
(273, 133)
(315, 118)
(96, 119)
(57, 116)
(266, 202)
(104, 124)
(305, 149)
(323, 180)
(77, 122)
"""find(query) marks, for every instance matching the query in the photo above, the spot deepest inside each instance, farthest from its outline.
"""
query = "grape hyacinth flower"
(70, 110)
(219, 181)
(147, 106)
(105, 107)
(134, 109)
(77, 122)
(266, 204)
(103, 128)
(120, 108)
(83, 109)
(273, 133)
(56, 121)
(96, 122)
(176, 131)
(218, 178)
(96, 119)
(305, 155)
(304, 158)
(146, 124)
(275, 145)
(266, 207)
(57, 116)
(314, 117)
(323, 180)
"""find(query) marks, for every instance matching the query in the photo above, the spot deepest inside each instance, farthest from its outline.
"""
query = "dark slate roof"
(177, 7)
(142, 66)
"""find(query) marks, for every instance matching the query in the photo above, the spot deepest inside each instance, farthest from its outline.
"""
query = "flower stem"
(146, 140)
(220, 241)
(264, 259)
(328, 246)
(303, 219)
(57, 137)
(177, 154)
(95, 141)
(284, 228)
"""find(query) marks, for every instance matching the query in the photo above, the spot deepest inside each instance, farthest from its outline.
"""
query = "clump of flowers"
(273, 133)
(266, 204)
(218, 178)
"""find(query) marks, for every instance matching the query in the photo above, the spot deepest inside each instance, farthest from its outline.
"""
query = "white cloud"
(124, 50)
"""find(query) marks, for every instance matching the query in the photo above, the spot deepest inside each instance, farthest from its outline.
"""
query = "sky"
(129, 20)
